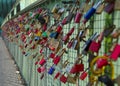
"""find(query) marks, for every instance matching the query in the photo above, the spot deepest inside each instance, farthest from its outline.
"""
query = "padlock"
(66, 38)
(94, 46)
(100, 8)
(51, 70)
(109, 8)
(58, 31)
(57, 75)
(52, 55)
(42, 76)
(43, 69)
(115, 33)
(44, 27)
(55, 8)
(39, 70)
(64, 21)
(91, 11)
(36, 62)
(77, 68)
(41, 20)
(42, 61)
(70, 43)
(101, 62)
(115, 53)
(78, 16)
(63, 78)
(83, 75)
(106, 80)
(88, 43)
(57, 58)
(71, 14)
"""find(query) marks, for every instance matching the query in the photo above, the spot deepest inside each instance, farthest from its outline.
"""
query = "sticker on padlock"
(115, 53)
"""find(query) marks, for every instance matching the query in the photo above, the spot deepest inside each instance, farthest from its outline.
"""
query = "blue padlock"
(52, 34)
(91, 12)
(36, 38)
(51, 70)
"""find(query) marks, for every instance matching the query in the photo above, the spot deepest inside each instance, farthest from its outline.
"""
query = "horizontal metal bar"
(30, 7)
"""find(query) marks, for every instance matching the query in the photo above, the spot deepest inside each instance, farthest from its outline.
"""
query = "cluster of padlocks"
(33, 29)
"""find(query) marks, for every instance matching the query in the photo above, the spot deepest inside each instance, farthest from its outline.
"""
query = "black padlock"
(106, 80)
(41, 20)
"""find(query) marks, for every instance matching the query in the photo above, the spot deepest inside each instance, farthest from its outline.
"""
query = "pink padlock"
(101, 62)
(43, 69)
(115, 53)
(42, 62)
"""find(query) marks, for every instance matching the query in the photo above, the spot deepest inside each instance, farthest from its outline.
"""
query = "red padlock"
(56, 60)
(78, 17)
(36, 62)
(44, 28)
(94, 46)
(70, 43)
(42, 62)
(64, 21)
(115, 53)
(39, 70)
(77, 68)
(101, 62)
(52, 55)
(83, 75)
(57, 75)
(63, 78)
(59, 29)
